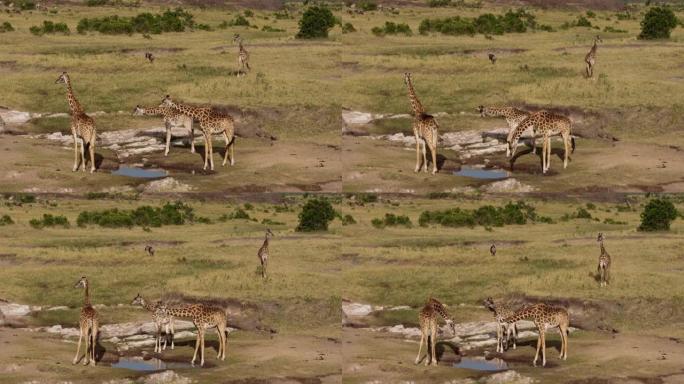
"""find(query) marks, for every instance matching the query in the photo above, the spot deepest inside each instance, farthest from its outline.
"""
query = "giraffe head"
(237, 38)
(512, 146)
(452, 326)
(599, 238)
(167, 102)
(138, 300)
(598, 39)
(138, 111)
(82, 283)
(269, 233)
(407, 78)
(62, 79)
(482, 110)
(489, 303)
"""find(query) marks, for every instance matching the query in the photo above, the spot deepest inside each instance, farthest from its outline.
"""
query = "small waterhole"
(139, 364)
(140, 172)
(481, 364)
(481, 173)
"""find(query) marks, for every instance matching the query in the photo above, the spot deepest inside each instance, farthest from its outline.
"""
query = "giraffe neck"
(74, 105)
(265, 242)
(154, 111)
(594, 47)
(603, 249)
(148, 306)
(439, 308)
(522, 314)
(515, 134)
(415, 103)
(180, 312)
(86, 301)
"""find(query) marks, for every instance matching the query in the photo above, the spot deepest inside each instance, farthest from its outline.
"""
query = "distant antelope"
(149, 250)
(150, 57)
(492, 58)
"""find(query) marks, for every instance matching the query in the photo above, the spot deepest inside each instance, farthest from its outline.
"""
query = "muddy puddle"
(139, 364)
(482, 174)
(481, 364)
(138, 172)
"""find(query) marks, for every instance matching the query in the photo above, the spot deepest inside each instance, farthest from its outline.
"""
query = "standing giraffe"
(263, 252)
(88, 325)
(513, 116)
(172, 118)
(82, 126)
(604, 262)
(160, 318)
(545, 316)
(547, 124)
(243, 56)
(504, 332)
(428, 328)
(204, 317)
(211, 123)
(590, 58)
(425, 128)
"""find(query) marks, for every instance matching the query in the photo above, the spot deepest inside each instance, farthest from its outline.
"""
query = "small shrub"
(391, 28)
(49, 220)
(611, 221)
(315, 23)
(367, 5)
(25, 5)
(315, 215)
(487, 216)
(96, 195)
(237, 214)
(6, 220)
(146, 23)
(96, 3)
(658, 23)
(658, 214)
(249, 13)
(580, 213)
(271, 222)
(391, 220)
(347, 219)
(282, 15)
(6, 27)
(268, 28)
(439, 3)
(348, 28)
(143, 216)
(610, 29)
(591, 14)
(50, 28)
(591, 206)
(488, 24)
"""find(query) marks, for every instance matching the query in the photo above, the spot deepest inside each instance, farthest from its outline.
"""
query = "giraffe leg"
(499, 345)
(93, 343)
(75, 154)
(166, 335)
(515, 335)
(420, 346)
(425, 163)
(225, 156)
(232, 150)
(168, 137)
(211, 151)
(417, 153)
(434, 342)
(91, 148)
(433, 150)
(78, 349)
(543, 347)
(543, 155)
(192, 135)
(566, 142)
(534, 144)
(206, 152)
(86, 358)
(202, 351)
(157, 341)
(83, 143)
(173, 331)
(223, 340)
(197, 345)
(536, 354)
(548, 153)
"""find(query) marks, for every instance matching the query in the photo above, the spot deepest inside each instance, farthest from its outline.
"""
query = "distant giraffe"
(492, 250)
(243, 56)
(82, 126)
(513, 116)
(425, 128)
(204, 317)
(545, 316)
(428, 328)
(211, 123)
(88, 324)
(604, 262)
(172, 118)
(546, 124)
(160, 318)
(504, 332)
(150, 57)
(590, 58)
(263, 253)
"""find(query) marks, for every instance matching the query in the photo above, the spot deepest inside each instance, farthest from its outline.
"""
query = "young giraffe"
(243, 56)
(211, 123)
(545, 316)
(263, 252)
(590, 58)
(425, 128)
(604, 262)
(428, 328)
(82, 126)
(204, 317)
(160, 318)
(88, 325)
(172, 118)
(546, 124)
(504, 332)
(513, 116)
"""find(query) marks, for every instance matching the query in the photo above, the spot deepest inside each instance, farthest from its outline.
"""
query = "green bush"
(580, 213)
(610, 29)
(591, 14)
(315, 23)
(50, 28)
(348, 28)
(658, 23)
(170, 21)
(25, 5)
(439, 3)
(391, 220)
(6, 220)
(268, 28)
(237, 214)
(391, 28)
(315, 215)
(489, 24)
(144, 216)
(6, 27)
(271, 222)
(49, 220)
(249, 13)
(96, 3)
(367, 5)
(347, 220)
(658, 215)
(488, 216)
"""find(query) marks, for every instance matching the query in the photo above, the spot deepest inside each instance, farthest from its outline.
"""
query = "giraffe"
(172, 118)
(211, 123)
(425, 128)
(160, 318)
(504, 332)
(428, 328)
(263, 252)
(547, 124)
(545, 316)
(243, 56)
(513, 116)
(82, 126)
(204, 317)
(604, 262)
(88, 324)
(590, 58)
